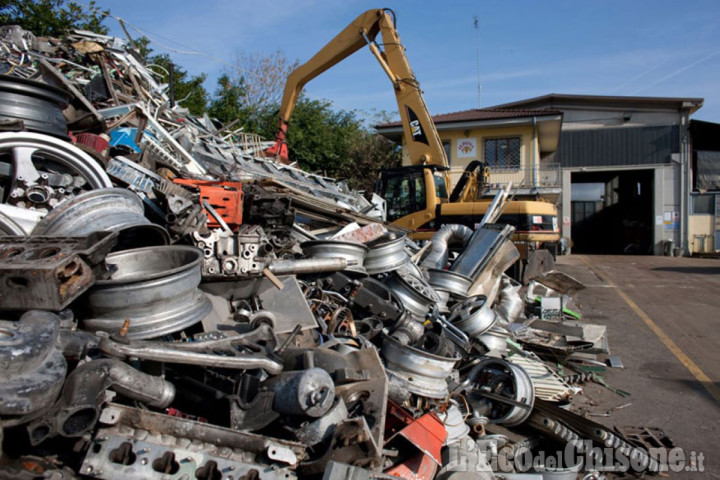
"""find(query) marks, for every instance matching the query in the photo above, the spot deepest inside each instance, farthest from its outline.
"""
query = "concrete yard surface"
(663, 319)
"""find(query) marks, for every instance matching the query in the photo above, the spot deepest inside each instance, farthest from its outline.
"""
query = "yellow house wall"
(701, 225)
(480, 134)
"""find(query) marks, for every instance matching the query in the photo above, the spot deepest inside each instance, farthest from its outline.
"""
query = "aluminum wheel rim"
(58, 151)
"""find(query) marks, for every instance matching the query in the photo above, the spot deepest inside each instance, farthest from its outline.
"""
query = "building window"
(503, 152)
(703, 204)
(447, 145)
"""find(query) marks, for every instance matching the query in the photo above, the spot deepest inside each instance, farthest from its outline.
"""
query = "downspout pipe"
(532, 147)
(686, 187)
(447, 234)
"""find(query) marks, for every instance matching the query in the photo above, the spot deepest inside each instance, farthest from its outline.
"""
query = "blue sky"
(527, 48)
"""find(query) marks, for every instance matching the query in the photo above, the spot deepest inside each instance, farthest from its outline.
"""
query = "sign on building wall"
(466, 148)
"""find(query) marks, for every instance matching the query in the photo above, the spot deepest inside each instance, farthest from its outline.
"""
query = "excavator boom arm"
(423, 142)
(345, 43)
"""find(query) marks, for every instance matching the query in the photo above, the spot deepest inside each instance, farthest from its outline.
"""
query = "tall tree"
(368, 153)
(263, 77)
(319, 137)
(251, 92)
(228, 106)
(53, 18)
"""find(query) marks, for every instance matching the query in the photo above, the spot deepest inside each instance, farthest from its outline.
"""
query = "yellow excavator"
(415, 194)
(420, 197)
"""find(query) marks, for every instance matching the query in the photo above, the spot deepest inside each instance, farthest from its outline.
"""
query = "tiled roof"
(478, 114)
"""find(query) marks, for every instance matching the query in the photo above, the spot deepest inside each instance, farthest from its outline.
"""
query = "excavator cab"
(413, 189)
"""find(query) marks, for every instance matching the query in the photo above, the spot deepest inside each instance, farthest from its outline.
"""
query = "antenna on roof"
(477, 47)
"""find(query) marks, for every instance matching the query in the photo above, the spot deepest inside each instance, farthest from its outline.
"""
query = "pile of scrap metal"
(174, 305)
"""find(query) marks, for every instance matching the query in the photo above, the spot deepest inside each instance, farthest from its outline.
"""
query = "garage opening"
(612, 212)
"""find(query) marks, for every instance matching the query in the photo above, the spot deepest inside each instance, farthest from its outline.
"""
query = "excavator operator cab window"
(440, 187)
(404, 193)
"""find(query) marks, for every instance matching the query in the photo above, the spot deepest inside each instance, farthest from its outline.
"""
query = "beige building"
(517, 145)
(625, 173)
(626, 169)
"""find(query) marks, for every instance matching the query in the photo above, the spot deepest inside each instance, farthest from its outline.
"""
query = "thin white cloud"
(678, 71)
(648, 58)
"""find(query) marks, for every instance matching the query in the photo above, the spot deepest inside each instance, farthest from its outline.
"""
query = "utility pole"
(477, 49)
(172, 84)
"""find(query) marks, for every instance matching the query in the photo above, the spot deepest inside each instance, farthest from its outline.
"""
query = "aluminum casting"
(37, 104)
(43, 171)
(49, 273)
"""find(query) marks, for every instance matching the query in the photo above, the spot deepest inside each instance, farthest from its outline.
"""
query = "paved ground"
(666, 330)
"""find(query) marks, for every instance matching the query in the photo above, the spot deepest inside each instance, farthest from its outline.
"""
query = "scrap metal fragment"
(104, 210)
(78, 409)
(499, 390)
(180, 353)
(139, 443)
(416, 371)
(33, 369)
(426, 436)
(50, 272)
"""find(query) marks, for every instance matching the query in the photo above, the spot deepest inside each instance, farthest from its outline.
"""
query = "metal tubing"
(191, 164)
(333, 249)
(438, 256)
(79, 406)
(169, 353)
(310, 265)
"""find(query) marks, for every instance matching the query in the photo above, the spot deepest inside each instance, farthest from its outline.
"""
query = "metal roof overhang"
(548, 128)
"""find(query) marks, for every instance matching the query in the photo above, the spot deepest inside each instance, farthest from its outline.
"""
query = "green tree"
(189, 90)
(251, 92)
(227, 105)
(141, 45)
(319, 137)
(369, 153)
(53, 18)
